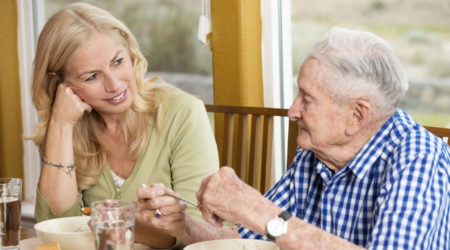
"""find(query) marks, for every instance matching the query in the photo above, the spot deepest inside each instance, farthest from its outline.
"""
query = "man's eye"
(92, 77)
(118, 61)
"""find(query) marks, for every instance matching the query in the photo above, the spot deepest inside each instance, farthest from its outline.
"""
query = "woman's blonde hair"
(64, 32)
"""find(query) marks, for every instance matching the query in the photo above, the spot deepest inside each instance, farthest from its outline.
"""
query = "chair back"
(247, 141)
(443, 133)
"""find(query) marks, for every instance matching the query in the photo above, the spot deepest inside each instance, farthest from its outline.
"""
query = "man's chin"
(303, 142)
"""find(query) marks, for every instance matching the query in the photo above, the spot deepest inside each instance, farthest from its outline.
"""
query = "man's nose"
(294, 112)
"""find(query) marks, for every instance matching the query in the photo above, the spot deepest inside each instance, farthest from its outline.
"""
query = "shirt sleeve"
(44, 212)
(194, 153)
(282, 194)
(414, 199)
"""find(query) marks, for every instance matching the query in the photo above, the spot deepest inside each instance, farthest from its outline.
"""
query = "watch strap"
(285, 215)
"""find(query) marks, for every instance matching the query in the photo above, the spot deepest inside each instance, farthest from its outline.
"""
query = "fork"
(177, 197)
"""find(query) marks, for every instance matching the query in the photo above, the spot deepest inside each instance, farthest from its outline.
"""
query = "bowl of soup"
(70, 233)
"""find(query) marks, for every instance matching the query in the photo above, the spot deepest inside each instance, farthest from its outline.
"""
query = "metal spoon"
(177, 197)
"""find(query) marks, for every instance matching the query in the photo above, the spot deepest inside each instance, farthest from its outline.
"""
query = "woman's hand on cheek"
(68, 107)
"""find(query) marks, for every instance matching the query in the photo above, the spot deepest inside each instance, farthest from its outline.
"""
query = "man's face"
(321, 121)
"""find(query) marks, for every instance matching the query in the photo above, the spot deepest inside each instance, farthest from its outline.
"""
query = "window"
(418, 31)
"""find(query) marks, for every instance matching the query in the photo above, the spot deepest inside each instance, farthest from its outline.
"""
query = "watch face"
(277, 227)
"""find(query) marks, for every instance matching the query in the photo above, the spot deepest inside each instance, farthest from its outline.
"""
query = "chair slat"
(267, 150)
(255, 155)
(292, 141)
(228, 140)
(241, 151)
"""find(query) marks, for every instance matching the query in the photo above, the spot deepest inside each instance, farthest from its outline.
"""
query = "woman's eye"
(118, 61)
(92, 77)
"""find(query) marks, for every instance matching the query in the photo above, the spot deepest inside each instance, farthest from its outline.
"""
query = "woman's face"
(101, 73)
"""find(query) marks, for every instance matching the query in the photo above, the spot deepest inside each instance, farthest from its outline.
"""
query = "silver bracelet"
(67, 169)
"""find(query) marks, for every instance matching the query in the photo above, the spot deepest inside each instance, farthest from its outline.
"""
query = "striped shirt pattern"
(394, 194)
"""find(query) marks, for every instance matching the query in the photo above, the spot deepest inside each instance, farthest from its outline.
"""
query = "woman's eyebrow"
(96, 70)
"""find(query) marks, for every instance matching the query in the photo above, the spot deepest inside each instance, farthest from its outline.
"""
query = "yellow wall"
(11, 148)
(236, 49)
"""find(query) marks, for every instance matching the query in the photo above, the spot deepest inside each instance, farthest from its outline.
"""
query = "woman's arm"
(58, 185)
(174, 220)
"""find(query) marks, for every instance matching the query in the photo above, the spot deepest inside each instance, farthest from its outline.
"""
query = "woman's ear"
(360, 116)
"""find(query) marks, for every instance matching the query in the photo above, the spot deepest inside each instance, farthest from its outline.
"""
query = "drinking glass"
(10, 204)
(113, 222)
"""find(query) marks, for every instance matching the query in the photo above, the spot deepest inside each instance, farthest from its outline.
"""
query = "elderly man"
(365, 175)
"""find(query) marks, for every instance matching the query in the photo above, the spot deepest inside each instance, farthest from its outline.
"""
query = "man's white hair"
(366, 66)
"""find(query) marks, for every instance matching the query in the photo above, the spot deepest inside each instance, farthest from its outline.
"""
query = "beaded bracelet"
(66, 169)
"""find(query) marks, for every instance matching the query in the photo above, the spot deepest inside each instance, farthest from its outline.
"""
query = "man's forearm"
(302, 235)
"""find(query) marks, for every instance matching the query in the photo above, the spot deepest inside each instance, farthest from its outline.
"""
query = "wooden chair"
(247, 139)
(440, 132)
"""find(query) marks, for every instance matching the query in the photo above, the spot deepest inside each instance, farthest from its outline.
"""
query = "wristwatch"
(277, 226)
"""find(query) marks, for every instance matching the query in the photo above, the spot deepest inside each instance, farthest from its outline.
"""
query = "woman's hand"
(172, 210)
(68, 108)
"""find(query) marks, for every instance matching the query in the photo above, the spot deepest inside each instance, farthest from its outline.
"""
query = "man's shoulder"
(411, 134)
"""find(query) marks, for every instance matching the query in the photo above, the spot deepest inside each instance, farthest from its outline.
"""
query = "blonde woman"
(104, 130)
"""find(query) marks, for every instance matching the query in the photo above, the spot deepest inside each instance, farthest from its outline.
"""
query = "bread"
(52, 246)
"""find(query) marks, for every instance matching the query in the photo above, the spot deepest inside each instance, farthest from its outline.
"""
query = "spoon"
(177, 197)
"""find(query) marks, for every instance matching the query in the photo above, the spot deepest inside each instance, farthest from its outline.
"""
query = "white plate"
(235, 244)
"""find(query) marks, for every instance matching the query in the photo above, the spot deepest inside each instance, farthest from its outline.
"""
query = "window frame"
(277, 73)
(31, 18)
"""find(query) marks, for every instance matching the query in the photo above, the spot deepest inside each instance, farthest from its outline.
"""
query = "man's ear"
(360, 116)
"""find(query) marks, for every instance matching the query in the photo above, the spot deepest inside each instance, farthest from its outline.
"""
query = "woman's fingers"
(154, 197)
(68, 107)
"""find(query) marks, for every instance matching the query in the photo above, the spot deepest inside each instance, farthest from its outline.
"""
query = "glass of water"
(113, 223)
(10, 204)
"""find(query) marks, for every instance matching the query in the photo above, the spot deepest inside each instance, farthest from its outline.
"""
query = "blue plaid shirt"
(394, 194)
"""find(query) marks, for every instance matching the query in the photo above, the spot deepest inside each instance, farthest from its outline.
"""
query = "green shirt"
(179, 154)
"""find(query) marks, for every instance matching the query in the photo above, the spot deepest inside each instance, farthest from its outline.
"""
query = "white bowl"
(235, 244)
(72, 233)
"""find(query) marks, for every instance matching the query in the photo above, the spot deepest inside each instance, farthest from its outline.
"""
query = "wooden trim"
(246, 110)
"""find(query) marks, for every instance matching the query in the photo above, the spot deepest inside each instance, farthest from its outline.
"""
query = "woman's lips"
(118, 99)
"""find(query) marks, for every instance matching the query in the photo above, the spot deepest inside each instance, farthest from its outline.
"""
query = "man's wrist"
(277, 226)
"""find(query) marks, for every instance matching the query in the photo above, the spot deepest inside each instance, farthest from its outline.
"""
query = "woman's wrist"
(60, 124)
